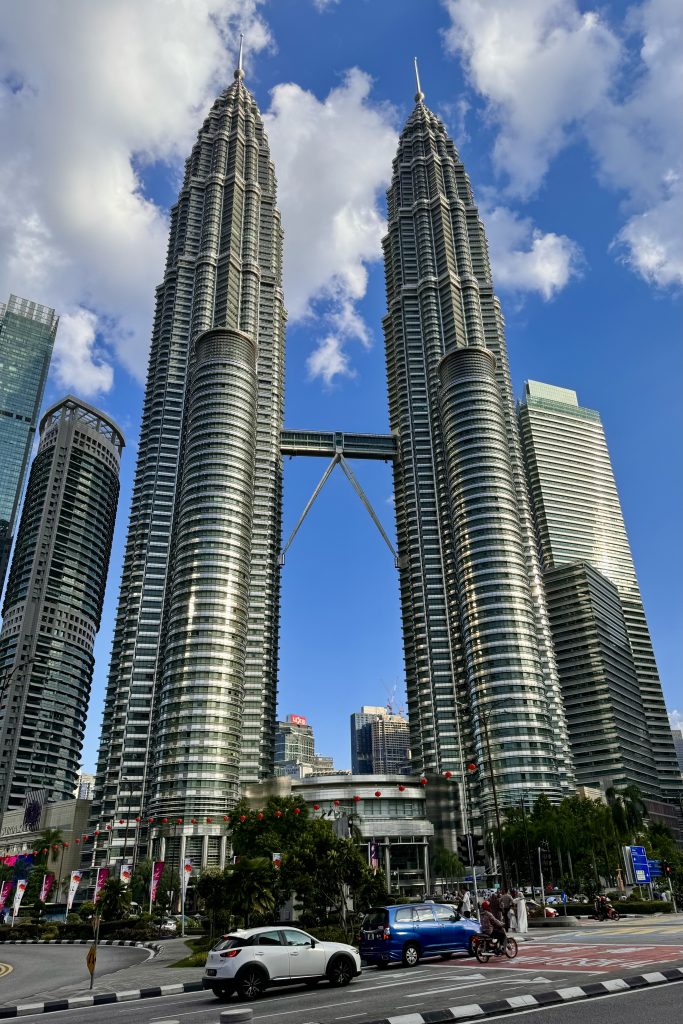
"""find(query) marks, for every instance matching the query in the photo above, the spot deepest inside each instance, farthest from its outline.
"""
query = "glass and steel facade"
(27, 336)
(607, 729)
(466, 572)
(223, 269)
(53, 601)
(579, 518)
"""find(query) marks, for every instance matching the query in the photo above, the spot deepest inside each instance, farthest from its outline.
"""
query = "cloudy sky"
(567, 115)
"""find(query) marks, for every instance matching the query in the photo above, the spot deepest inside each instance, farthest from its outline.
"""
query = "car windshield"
(376, 918)
(229, 942)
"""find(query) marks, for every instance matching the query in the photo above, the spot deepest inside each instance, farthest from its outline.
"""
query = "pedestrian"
(466, 908)
(494, 900)
(520, 914)
(505, 904)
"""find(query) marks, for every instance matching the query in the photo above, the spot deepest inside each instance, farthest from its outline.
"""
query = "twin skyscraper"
(190, 710)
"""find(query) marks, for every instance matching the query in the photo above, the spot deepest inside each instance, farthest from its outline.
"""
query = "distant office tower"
(678, 746)
(54, 599)
(478, 648)
(579, 519)
(295, 754)
(210, 449)
(609, 737)
(27, 335)
(380, 742)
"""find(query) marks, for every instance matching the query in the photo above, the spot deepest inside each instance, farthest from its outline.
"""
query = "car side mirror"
(312, 943)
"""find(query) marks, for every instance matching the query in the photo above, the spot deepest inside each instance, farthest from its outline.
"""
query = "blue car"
(405, 933)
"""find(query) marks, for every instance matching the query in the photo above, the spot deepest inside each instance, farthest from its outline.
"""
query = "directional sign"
(641, 869)
(655, 867)
(91, 959)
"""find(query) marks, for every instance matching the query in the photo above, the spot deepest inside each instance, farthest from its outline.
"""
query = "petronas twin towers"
(190, 705)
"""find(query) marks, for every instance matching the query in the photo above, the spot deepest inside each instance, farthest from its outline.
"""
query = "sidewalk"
(154, 971)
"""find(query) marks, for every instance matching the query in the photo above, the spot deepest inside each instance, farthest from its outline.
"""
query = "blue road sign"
(655, 867)
(641, 867)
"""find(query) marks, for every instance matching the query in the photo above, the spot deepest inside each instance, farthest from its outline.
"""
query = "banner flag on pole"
(373, 855)
(187, 871)
(157, 870)
(74, 883)
(277, 861)
(48, 882)
(5, 890)
(126, 873)
(18, 896)
(102, 876)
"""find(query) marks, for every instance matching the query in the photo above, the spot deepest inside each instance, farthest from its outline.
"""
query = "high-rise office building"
(609, 737)
(380, 742)
(210, 450)
(27, 336)
(53, 601)
(295, 754)
(478, 648)
(579, 518)
(678, 746)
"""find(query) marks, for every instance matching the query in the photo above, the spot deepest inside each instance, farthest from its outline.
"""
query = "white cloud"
(329, 360)
(79, 363)
(676, 719)
(524, 259)
(333, 160)
(552, 74)
(87, 93)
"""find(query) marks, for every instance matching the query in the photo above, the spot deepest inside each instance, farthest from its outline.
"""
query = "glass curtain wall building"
(477, 641)
(579, 519)
(223, 270)
(27, 337)
(53, 602)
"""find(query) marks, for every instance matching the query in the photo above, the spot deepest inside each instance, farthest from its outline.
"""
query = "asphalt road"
(37, 970)
(652, 1006)
(552, 960)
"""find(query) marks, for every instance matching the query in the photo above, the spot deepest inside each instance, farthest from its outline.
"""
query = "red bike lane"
(603, 958)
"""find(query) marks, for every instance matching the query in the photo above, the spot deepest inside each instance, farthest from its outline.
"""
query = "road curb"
(81, 942)
(99, 999)
(516, 1004)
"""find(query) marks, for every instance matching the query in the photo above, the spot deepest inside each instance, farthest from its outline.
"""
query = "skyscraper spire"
(239, 70)
(419, 95)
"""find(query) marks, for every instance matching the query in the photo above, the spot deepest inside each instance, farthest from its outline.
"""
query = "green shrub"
(330, 933)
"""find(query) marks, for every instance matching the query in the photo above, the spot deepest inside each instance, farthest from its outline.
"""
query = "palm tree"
(251, 889)
(114, 901)
(50, 840)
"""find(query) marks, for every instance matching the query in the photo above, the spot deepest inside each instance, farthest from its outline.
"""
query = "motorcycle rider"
(491, 925)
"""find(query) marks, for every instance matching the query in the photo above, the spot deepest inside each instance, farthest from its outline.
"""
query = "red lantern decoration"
(209, 821)
(193, 821)
(164, 821)
(179, 821)
(77, 841)
(243, 817)
(120, 821)
(97, 831)
(109, 828)
(356, 798)
(378, 792)
(401, 788)
(336, 803)
(35, 853)
(65, 845)
(448, 775)
(278, 814)
(471, 767)
(423, 781)
(259, 816)
(316, 807)
(138, 820)
(44, 850)
(55, 847)
(150, 821)
(297, 810)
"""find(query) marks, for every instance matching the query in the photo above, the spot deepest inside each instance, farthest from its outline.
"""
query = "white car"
(248, 961)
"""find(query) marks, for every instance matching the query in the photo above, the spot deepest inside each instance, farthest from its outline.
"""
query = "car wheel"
(251, 984)
(411, 955)
(340, 971)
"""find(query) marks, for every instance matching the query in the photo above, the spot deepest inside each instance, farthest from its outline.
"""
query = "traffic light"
(471, 850)
(666, 868)
(479, 850)
(463, 849)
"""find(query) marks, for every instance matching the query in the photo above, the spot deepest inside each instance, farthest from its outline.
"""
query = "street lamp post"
(522, 804)
(485, 718)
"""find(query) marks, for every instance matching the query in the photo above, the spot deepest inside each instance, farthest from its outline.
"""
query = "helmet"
(485, 905)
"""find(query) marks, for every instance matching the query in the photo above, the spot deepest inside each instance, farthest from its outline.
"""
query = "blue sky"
(565, 116)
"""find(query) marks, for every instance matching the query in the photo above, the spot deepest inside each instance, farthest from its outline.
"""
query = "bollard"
(240, 1015)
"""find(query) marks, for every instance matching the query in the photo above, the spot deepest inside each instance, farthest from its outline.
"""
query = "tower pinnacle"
(419, 95)
(239, 70)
